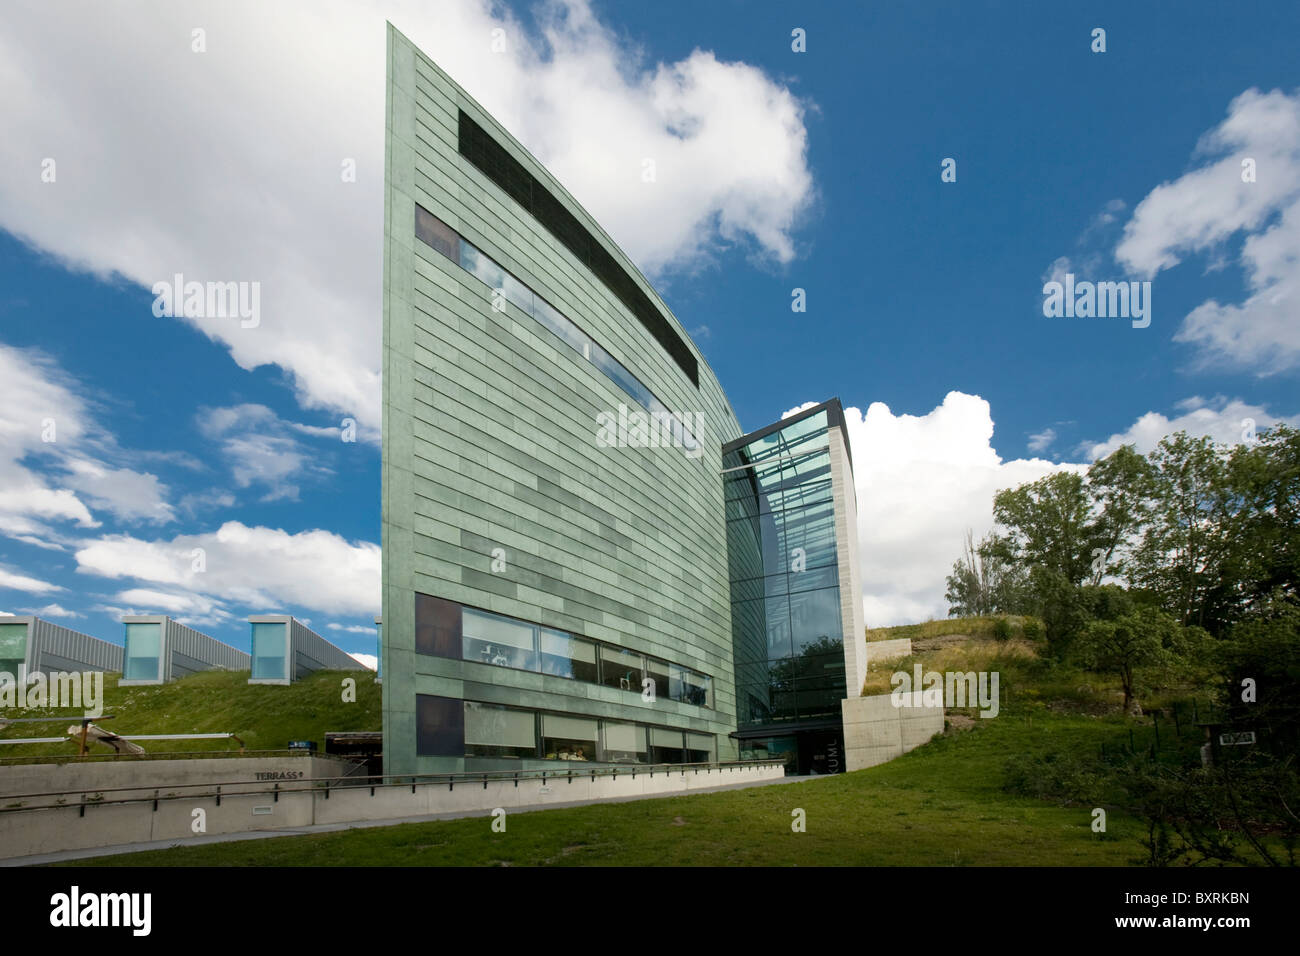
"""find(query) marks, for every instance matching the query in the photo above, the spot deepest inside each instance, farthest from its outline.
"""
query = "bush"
(1002, 629)
(1032, 630)
(1059, 777)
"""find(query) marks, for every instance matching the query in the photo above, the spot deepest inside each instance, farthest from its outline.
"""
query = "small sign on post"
(1237, 739)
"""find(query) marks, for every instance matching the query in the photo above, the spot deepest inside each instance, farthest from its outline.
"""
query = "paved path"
(64, 855)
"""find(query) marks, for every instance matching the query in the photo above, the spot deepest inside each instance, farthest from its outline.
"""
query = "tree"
(1144, 638)
(1049, 524)
(1120, 486)
(1182, 554)
(984, 580)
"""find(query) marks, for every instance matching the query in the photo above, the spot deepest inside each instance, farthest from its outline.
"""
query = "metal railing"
(16, 803)
(73, 758)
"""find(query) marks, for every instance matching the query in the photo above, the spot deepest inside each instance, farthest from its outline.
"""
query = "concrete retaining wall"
(877, 731)
(893, 650)
(109, 777)
(33, 832)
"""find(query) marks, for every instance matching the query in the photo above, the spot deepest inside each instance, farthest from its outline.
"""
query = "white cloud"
(22, 582)
(921, 482)
(53, 610)
(263, 449)
(1205, 207)
(369, 660)
(255, 568)
(230, 170)
(352, 628)
(1219, 418)
(56, 463)
(1042, 440)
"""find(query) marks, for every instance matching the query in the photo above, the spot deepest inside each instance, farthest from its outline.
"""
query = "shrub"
(1002, 629)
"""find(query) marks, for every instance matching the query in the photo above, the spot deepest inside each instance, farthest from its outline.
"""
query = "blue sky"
(818, 170)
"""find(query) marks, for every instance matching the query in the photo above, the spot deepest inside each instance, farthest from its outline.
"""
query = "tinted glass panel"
(432, 231)
(439, 726)
(270, 648)
(437, 627)
(143, 650)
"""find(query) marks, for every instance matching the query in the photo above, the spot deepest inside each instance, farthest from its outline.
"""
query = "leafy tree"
(1185, 550)
(1120, 487)
(1140, 639)
(1049, 525)
(985, 581)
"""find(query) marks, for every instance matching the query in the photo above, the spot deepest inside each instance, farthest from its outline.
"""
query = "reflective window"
(13, 648)
(666, 746)
(620, 668)
(141, 657)
(697, 689)
(487, 638)
(492, 730)
(624, 743)
(565, 656)
(432, 230)
(569, 738)
(784, 567)
(501, 641)
(270, 650)
(700, 748)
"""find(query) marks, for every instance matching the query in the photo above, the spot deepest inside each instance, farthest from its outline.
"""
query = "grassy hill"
(265, 717)
(969, 797)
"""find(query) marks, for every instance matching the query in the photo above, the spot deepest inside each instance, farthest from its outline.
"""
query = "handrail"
(73, 758)
(373, 781)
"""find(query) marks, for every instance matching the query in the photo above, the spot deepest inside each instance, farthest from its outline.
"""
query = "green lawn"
(940, 805)
(265, 717)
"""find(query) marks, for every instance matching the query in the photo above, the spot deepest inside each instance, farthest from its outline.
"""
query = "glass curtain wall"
(785, 590)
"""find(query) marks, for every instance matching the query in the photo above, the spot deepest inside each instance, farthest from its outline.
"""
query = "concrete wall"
(108, 775)
(34, 832)
(846, 544)
(876, 731)
(894, 650)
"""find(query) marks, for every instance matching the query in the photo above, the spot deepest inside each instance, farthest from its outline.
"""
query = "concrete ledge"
(876, 730)
(893, 650)
(25, 833)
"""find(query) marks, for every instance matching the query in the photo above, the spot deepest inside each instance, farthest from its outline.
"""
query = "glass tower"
(790, 585)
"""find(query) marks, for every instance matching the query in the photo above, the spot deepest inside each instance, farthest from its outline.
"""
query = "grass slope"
(942, 804)
(265, 717)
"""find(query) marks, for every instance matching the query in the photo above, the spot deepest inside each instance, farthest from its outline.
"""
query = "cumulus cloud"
(1224, 420)
(369, 660)
(231, 170)
(254, 568)
(922, 480)
(1205, 207)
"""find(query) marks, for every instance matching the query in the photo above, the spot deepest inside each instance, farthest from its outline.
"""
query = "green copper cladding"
(579, 556)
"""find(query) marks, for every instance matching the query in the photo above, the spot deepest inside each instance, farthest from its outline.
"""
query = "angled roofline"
(834, 418)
